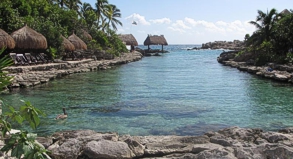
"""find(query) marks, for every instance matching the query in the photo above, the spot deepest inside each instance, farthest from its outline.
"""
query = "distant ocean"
(178, 93)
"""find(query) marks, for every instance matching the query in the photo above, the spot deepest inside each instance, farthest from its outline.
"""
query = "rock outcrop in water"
(229, 45)
(229, 143)
(225, 45)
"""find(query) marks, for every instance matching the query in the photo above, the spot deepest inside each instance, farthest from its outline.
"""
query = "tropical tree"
(112, 14)
(264, 23)
(88, 15)
(101, 10)
(283, 34)
(73, 4)
(59, 2)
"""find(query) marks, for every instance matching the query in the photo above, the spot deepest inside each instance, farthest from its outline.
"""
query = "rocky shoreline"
(31, 75)
(228, 143)
(278, 72)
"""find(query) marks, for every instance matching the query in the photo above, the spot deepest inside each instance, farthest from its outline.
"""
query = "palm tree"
(88, 14)
(101, 9)
(60, 2)
(112, 14)
(264, 24)
(73, 4)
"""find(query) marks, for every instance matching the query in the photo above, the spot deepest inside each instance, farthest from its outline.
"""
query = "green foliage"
(116, 44)
(55, 18)
(52, 51)
(20, 143)
(4, 62)
(262, 59)
(23, 143)
(93, 45)
(31, 114)
(289, 57)
(240, 53)
(274, 37)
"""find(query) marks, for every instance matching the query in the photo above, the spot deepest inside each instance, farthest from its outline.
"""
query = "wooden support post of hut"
(129, 39)
(155, 40)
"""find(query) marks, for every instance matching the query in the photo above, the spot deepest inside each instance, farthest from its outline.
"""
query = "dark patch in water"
(199, 128)
(161, 132)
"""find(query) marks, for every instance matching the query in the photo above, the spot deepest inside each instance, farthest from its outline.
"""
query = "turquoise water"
(181, 92)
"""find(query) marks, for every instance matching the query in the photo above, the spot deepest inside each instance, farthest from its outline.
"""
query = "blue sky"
(192, 21)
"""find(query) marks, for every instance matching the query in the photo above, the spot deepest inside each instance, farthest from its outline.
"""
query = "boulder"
(136, 147)
(70, 149)
(223, 153)
(107, 149)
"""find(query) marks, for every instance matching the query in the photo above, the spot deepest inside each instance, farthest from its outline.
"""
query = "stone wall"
(31, 75)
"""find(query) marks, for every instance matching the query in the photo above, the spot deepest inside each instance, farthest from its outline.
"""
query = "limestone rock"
(70, 149)
(135, 146)
(222, 153)
(107, 149)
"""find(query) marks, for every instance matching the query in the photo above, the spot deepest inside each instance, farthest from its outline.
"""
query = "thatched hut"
(27, 38)
(77, 42)
(285, 12)
(155, 40)
(129, 39)
(6, 41)
(68, 46)
(86, 35)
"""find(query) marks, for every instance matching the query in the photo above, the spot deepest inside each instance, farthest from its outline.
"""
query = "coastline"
(233, 142)
(277, 72)
(228, 143)
(31, 75)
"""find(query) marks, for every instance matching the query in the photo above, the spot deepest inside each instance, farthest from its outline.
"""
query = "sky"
(192, 21)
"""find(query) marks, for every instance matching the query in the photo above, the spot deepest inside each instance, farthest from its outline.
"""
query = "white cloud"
(235, 27)
(138, 18)
(161, 21)
(191, 21)
(208, 25)
(177, 30)
(240, 27)
(180, 24)
(221, 23)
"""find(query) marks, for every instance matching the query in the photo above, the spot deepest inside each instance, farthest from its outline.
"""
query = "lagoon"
(179, 93)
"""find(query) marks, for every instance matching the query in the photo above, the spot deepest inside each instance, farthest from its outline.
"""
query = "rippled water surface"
(181, 92)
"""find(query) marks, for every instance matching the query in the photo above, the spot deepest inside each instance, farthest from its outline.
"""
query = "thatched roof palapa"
(86, 35)
(128, 39)
(285, 12)
(6, 40)
(68, 46)
(27, 38)
(155, 40)
(77, 42)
